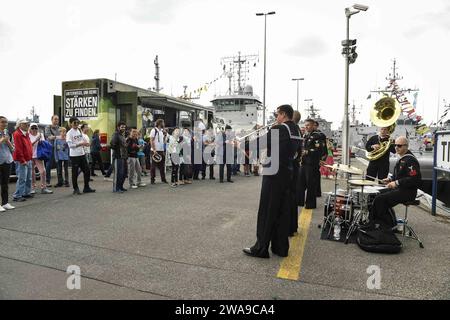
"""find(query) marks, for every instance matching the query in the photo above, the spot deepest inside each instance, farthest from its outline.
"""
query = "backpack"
(44, 150)
(381, 240)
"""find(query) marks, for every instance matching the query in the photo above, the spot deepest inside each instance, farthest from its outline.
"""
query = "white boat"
(239, 108)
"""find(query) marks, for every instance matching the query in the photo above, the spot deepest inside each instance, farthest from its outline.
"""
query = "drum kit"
(349, 207)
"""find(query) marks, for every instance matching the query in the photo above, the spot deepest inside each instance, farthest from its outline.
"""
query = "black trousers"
(78, 163)
(380, 212)
(293, 208)
(96, 158)
(174, 176)
(63, 164)
(222, 169)
(185, 171)
(160, 166)
(319, 183)
(307, 183)
(197, 169)
(273, 217)
(378, 169)
(5, 170)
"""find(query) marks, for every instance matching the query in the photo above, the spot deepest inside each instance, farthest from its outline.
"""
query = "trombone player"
(379, 159)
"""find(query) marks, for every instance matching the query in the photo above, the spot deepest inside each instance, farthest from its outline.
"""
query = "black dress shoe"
(212, 178)
(231, 181)
(249, 252)
(77, 192)
(28, 196)
(19, 199)
(221, 181)
(58, 185)
(88, 190)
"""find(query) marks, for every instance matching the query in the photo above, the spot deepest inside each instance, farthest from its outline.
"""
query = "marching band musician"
(273, 213)
(295, 179)
(379, 167)
(402, 186)
(309, 166)
(323, 157)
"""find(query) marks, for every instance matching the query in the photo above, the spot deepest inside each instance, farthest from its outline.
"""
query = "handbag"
(44, 150)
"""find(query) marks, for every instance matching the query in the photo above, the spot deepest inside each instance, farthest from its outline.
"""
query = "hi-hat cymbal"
(345, 168)
(363, 182)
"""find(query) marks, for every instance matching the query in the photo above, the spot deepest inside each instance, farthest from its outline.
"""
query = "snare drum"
(364, 197)
(343, 205)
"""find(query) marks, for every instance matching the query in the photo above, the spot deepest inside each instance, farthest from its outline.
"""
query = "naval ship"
(239, 108)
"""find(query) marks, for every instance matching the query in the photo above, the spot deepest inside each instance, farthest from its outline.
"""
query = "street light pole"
(348, 59)
(345, 133)
(264, 84)
(297, 79)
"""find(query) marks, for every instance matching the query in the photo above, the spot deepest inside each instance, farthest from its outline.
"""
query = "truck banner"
(81, 103)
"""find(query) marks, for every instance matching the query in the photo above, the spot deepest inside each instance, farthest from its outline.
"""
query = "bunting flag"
(407, 108)
(198, 91)
(369, 96)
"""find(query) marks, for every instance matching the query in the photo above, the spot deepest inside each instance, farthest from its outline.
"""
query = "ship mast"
(238, 70)
(312, 112)
(393, 77)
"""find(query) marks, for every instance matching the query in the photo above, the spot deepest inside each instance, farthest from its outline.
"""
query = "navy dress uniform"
(311, 155)
(380, 167)
(274, 217)
(408, 179)
(323, 157)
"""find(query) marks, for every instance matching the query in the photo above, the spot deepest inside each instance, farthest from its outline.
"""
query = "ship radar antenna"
(239, 69)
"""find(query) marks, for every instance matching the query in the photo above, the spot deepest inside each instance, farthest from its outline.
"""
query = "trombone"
(255, 131)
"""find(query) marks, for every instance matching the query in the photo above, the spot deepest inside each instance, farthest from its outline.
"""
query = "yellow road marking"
(291, 265)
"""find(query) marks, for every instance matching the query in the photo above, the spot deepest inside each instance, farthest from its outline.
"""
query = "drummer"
(402, 186)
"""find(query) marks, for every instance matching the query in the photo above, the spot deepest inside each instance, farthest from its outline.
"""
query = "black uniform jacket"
(407, 172)
(377, 140)
(288, 144)
(313, 148)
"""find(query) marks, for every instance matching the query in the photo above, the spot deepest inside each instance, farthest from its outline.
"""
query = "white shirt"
(33, 139)
(158, 135)
(87, 149)
(73, 138)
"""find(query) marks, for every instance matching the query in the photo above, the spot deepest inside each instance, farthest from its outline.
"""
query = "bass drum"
(344, 205)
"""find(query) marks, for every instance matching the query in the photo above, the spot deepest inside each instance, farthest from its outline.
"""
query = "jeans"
(48, 167)
(63, 164)
(23, 186)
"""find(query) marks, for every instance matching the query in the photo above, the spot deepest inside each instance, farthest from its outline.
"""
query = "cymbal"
(345, 168)
(363, 182)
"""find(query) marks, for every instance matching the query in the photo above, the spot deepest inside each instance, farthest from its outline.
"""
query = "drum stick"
(379, 182)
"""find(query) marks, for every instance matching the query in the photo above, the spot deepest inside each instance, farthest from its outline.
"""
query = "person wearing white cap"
(22, 155)
(6, 159)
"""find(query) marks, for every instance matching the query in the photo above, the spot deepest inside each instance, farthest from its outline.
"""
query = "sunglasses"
(399, 145)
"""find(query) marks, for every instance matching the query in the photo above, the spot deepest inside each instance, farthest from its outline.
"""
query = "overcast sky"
(43, 43)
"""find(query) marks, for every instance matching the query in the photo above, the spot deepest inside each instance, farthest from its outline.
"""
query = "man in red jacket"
(22, 156)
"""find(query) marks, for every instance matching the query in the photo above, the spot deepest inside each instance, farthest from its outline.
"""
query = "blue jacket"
(62, 150)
